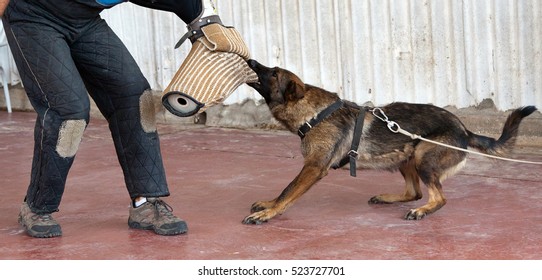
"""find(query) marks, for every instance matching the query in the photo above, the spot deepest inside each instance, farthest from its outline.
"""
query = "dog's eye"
(274, 74)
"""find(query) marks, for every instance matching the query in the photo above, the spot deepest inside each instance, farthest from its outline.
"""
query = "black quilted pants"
(59, 61)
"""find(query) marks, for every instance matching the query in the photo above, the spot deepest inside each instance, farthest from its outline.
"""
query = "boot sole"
(174, 231)
(48, 234)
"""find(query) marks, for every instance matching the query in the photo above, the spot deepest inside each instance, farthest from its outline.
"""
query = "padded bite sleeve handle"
(213, 69)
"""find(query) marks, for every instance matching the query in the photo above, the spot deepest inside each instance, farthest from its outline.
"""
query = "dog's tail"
(508, 137)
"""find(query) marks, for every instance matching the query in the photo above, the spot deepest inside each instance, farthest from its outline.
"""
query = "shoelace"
(42, 217)
(165, 208)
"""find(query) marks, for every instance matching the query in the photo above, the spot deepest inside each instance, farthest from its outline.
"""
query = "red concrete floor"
(494, 208)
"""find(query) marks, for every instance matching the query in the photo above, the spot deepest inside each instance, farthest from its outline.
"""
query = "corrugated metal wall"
(445, 52)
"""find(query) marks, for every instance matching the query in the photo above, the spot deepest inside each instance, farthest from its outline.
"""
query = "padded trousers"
(61, 63)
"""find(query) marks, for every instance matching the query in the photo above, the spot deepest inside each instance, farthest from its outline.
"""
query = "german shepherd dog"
(294, 103)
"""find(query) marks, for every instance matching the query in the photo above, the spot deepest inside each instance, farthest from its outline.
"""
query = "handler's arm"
(187, 10)
(3, 5)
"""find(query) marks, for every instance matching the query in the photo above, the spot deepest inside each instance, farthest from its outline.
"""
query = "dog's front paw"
(415, 214)
(259, 217)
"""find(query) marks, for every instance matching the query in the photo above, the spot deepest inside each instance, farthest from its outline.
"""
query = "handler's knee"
(147, 112)
(69, 137)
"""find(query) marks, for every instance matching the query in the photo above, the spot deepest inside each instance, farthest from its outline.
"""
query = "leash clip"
(377, 111)
(392, 126)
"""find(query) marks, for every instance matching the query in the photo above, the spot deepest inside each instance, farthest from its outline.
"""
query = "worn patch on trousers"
(147, 112)
(69, 137)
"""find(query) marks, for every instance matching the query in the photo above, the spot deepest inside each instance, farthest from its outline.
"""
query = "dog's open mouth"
(253, 64)
(255, 85)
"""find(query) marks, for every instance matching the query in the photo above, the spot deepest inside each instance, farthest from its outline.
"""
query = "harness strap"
(304, 129)
(352, 155)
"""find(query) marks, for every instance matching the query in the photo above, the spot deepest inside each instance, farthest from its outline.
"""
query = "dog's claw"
(414, 215)
(260, 217)
(252, 221)
(376, 200)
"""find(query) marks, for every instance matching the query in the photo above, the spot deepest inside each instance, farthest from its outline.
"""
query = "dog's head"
(276, 85)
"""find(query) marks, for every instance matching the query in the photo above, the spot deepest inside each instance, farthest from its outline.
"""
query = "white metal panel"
(150, 36)
(445, 52)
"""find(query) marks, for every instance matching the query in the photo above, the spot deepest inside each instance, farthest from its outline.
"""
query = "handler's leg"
(122, 94)
(59, 97)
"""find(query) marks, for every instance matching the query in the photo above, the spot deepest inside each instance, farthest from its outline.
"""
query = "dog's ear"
(294, 91)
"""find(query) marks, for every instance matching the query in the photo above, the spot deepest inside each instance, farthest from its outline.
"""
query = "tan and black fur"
(293, 103)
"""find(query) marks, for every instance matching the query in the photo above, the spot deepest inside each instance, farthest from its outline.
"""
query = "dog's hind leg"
(262, 211)
(434, 166)
(412, 186)
(435, 202)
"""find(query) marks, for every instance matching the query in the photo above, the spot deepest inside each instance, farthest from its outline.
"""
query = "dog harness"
(352, 155)
(304, 129)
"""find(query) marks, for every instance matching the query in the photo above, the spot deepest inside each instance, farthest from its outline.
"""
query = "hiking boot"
(38, 225)
(157, 215)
